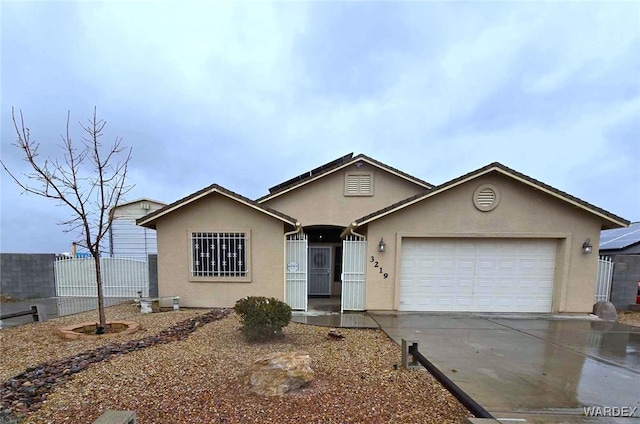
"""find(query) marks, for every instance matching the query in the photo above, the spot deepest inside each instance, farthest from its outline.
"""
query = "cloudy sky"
(249, 94)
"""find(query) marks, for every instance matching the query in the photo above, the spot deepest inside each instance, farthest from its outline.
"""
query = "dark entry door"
(320, 271)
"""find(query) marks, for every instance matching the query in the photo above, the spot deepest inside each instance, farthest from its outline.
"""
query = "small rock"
(335, 334)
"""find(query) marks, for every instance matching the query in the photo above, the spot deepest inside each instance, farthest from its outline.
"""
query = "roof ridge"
(478, 172)
(221, 189)
(335, 164)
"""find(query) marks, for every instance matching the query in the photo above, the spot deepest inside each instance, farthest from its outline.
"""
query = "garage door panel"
(544, 303)
(484, 284)
(464, 284)
(507, 265)
(425, 283)
(486, 265)
(545, 283)
(446, 249)
(491, 275)
(465, 302)
(407, 263)
(525, 284)
(425, 263)
(447, 265)
(548, 264)
(466, 266)
(484, 301)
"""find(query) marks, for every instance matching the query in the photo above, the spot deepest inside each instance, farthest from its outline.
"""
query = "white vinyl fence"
(604, 277)
(122, 276)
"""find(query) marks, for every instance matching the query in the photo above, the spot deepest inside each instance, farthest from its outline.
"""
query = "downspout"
(297, 230)
(350, 229)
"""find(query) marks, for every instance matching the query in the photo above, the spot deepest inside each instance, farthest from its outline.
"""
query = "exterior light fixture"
(587, 247)
(382, 245)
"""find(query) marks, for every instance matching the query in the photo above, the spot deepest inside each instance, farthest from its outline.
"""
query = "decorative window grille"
(358, 184)
(218, 254)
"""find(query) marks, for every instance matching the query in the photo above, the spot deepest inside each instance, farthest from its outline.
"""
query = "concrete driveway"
(537, 368)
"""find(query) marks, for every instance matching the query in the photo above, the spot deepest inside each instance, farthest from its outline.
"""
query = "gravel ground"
(198, 380)
(629, 318)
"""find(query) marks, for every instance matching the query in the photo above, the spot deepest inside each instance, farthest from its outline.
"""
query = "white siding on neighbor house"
(127, 238)
(130, 239)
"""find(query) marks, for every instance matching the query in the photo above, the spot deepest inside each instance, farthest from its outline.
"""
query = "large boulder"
(605, 311)
(279, 373)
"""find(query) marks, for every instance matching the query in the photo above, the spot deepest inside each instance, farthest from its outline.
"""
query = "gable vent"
(358, 184)
(486, 197)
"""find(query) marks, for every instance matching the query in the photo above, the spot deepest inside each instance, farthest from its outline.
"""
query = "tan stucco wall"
(218, 213)
(322, 202)
(522, 212)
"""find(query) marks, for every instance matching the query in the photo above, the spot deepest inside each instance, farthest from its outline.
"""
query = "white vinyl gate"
(604, 277)
(296, 271)
(354, 262)
(121, 276)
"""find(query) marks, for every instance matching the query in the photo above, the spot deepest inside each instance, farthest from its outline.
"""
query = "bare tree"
(89, 179)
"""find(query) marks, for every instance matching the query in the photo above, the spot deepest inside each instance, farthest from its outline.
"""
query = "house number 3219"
(377, 265)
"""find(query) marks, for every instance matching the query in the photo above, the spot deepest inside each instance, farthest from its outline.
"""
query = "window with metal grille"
(218, 254)
(358, 184)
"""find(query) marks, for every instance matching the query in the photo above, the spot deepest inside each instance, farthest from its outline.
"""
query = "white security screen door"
(296, 270)
(354, 252)
(319, 271)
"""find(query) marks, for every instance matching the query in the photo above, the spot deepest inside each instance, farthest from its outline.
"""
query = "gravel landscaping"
(199, 379)
(629, 318)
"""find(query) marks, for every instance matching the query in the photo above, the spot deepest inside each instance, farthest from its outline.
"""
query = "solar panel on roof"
(620, 238)
(312, 173)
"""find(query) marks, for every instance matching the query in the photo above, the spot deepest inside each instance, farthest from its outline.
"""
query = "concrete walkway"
(335, 319)
(540, 368)
(325, 312)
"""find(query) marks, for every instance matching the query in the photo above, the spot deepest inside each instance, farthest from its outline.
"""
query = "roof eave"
(358, 158)
(617, 221)
(149, 221)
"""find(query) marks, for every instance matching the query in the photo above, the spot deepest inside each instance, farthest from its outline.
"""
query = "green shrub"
(262, 318)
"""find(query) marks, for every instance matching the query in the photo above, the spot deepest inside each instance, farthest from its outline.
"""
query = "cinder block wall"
(626, 274)
(27, 275)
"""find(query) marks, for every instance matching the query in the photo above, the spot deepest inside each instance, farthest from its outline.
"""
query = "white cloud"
(250, 94)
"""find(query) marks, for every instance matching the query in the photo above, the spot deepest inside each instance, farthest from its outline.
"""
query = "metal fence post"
(405, 354)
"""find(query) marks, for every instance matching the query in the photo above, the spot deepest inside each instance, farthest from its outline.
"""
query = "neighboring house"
(125, 237)
(492, 240)
(622, 245)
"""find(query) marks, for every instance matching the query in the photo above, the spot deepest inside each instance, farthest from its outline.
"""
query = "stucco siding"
(216, 213)
(323, 202)
(523, 212)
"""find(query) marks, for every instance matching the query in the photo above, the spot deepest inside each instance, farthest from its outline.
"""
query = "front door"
(319, 271)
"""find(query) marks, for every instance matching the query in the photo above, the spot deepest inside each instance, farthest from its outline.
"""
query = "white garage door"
(477, 275)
